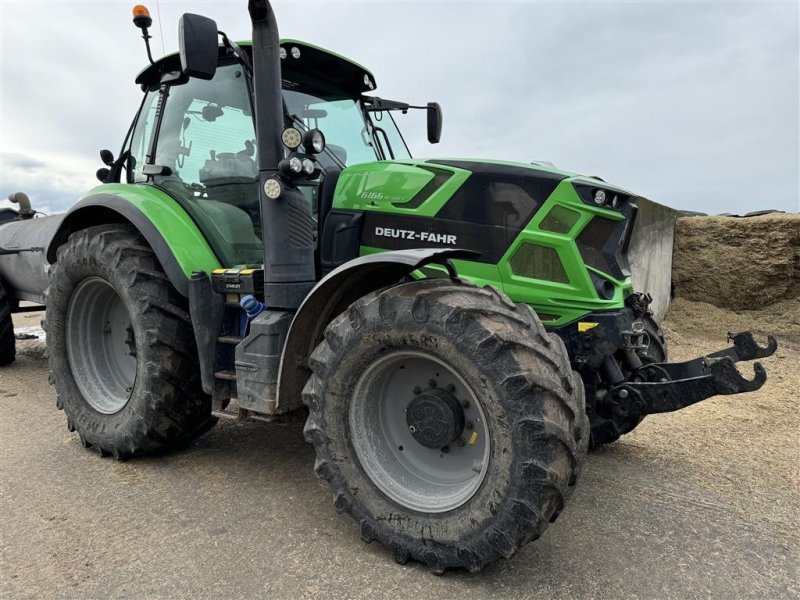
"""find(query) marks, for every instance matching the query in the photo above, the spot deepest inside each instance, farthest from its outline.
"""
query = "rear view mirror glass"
(434, 122)
(199, 49)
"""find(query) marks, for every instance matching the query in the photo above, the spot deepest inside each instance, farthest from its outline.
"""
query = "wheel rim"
(101, 346)
(418, 477)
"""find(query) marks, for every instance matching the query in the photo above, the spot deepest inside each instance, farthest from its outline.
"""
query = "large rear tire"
(122, 350)
(8, 349)
(447, 421)
(609, 427)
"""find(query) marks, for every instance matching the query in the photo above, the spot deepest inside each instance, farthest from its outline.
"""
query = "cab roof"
(313, 60)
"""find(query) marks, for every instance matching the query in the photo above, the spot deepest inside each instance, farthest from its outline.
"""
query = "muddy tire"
(608, 428)
(515, 426)
(122, 350)
(8, 349)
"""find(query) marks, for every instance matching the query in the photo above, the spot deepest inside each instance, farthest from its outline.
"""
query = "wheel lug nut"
(417, 390)
(461, 443)
(469, 425)
(432, 383)
(465, 404)
(445, 449)
(412, 429)
(451, 388)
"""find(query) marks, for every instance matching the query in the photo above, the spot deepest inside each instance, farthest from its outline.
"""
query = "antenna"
(142, 20)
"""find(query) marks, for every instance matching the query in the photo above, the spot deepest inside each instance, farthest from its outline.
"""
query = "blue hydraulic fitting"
(251, 306)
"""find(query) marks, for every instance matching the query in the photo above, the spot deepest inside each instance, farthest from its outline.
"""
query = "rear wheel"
(8, 350)
(608, 428)
(447, 422)
(122, 351)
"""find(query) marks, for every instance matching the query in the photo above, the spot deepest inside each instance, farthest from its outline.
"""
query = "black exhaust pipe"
(287, 224)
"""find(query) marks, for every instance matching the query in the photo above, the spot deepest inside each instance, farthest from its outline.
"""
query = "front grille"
(603, 243)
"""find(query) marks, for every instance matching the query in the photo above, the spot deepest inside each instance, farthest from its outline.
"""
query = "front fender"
(177, 242)
(331, 296)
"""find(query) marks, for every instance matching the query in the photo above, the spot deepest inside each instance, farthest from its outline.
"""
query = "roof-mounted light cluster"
(294, 51)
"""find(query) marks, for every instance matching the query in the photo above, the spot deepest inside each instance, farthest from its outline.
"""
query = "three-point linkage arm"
(666, 387)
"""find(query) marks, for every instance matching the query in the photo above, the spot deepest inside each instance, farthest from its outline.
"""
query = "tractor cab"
(195, 138)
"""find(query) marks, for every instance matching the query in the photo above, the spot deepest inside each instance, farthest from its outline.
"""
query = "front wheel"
(447, 422)
(122, 350)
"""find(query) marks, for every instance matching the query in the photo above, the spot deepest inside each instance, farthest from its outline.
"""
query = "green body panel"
(390, 187)
(187, 243)
(567, 301)
(385, 186)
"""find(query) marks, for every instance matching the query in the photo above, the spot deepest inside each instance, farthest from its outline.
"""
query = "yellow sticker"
(219, 271)
(586, 326)
(473, 438)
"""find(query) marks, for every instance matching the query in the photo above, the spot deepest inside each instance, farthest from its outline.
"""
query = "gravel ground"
(701, 503)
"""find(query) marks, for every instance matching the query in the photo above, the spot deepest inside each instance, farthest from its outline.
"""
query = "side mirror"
(199, 48)
(102, 174)
(107, 157)
(434, 122)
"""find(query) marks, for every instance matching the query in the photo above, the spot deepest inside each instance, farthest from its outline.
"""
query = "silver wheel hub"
(101, 347)
(419, 431)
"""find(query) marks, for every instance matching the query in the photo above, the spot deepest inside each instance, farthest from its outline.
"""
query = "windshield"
(205, 145)
(350, 138)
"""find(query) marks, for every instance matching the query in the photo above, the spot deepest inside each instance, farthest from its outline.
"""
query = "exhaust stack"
(287, 224)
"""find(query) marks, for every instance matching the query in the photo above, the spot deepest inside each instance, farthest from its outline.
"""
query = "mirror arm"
(375, 104)
(238, 52)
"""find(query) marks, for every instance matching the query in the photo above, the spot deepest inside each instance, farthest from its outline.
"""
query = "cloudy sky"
(695, 105)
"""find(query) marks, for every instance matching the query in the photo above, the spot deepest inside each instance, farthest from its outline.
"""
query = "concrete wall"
(650, 253)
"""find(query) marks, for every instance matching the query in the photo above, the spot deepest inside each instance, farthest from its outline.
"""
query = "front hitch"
(666, 387)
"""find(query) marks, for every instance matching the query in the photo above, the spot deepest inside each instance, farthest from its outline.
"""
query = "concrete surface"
(693, 505)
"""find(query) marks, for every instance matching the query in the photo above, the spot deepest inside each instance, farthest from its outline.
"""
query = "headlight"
(295, 52)
(599, 197)
(273, 188)
(291, 166)
(291, 138)
(314, 141)
(308, 166)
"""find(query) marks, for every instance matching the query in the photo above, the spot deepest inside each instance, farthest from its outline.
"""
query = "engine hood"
(425, 186)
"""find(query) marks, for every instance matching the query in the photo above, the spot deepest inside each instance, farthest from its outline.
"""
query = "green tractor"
(460, 331)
